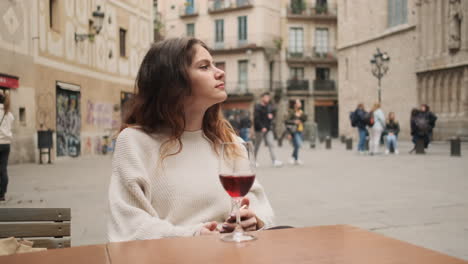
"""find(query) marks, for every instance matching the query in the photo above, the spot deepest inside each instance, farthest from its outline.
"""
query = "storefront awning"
(8, 81)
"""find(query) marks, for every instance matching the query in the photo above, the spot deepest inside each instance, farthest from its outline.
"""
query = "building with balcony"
(310, 63)
(69, 67)
(262, 47)
(242, 36)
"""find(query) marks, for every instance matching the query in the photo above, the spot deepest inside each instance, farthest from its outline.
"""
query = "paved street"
(419, 199)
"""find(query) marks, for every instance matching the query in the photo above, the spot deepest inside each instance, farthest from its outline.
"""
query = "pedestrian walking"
(295, 126)
(358, 119)
(263, 117)
(392, 129)
(378, 125)
(245, 125)
(6, 123)
(165, 178)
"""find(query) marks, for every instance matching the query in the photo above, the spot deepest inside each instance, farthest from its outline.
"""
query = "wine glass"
(237, 175)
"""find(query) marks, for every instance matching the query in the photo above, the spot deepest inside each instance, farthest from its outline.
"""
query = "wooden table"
(322, 244)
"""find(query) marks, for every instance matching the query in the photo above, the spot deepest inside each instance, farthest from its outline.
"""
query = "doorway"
(68, 120)
(326, 117)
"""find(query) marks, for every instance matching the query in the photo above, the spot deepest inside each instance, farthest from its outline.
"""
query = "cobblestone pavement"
(421, 199)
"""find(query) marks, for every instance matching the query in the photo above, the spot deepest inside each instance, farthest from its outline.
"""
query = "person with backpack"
(377, 124)
(431, 119)
(358, 120)
(422, 125)
(392, 128)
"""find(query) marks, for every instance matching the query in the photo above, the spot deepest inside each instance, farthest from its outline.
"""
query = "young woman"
(296, 121)
(377, 128)
(6, 135)
(165, 181)
(392, 128)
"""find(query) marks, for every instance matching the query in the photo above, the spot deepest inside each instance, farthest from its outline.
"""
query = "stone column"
(464, 94)
(433, 103)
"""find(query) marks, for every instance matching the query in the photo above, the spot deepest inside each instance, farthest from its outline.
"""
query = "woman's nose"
(219, 74)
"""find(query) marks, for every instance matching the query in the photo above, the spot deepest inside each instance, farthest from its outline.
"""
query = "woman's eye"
(205, 67)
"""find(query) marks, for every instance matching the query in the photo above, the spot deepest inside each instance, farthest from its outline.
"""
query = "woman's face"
(298, 104)
(206, 80)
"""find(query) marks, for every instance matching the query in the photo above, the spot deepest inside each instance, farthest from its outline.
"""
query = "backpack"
(369, 119)
(353, 116)
(422, 125)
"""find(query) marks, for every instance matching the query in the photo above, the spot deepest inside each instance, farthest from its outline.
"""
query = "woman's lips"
(220, 86)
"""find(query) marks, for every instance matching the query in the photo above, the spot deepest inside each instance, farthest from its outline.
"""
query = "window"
(191, 30)
(242, 29)
(22, 116)
(189, 7)
(321, 41)
(54, 15)
(397, 12)
(297, 6)
(219, 33)
(221, 66)
(297, 73)
(296, 40)
(122, 39)
(243, 77)
(322, 74)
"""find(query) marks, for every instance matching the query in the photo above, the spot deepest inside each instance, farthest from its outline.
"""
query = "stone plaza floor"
(421, 199)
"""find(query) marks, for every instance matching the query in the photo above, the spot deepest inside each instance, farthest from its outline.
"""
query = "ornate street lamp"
(95, 25)
(379, 64)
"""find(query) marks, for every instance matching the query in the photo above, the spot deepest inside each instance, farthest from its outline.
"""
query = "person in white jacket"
(6, 122)
(377, 129)
(165, 180)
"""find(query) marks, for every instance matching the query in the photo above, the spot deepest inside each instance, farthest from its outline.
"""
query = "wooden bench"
(46, 227)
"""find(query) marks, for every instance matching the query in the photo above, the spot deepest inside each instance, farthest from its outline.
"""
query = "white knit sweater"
(148, 200)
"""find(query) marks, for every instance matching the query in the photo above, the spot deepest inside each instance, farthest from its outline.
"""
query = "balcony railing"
(313, 54)
(297, 85)
(314, 12)
(218, 6)
(188, 10)
(324, 85)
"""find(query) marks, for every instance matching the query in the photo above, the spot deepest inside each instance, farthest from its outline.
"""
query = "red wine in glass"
(237, 186)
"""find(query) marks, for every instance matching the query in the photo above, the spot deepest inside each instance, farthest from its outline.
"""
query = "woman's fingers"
(209, 229)
(249, 224)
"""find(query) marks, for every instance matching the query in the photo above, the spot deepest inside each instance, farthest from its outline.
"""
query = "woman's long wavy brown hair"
(161, 86)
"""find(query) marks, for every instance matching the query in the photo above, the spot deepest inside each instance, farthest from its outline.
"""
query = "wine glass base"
(238, 237)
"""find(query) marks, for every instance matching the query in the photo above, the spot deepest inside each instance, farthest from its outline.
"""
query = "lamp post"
(379, 64)
(95, 24)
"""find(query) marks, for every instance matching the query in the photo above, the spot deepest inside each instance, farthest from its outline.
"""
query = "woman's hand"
(209, 229)
(249, 221)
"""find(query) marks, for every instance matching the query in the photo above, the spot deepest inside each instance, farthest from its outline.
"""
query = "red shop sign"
(9, 81)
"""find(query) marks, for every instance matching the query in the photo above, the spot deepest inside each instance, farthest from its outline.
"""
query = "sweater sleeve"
(132, 216)
(260, 205)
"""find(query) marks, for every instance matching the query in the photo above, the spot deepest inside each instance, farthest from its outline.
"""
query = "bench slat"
(51, 243)
(34, 229)
(34, 214)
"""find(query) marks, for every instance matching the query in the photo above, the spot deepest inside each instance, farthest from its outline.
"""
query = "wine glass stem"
(238, 217)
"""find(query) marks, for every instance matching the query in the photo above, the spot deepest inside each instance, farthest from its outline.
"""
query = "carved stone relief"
(13, 21)
(455, 22)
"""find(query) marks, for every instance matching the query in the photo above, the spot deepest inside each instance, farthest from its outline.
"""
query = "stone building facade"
(74, 77)
(274, 46)
(442, 64)
(362, 28)
(427, 44)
